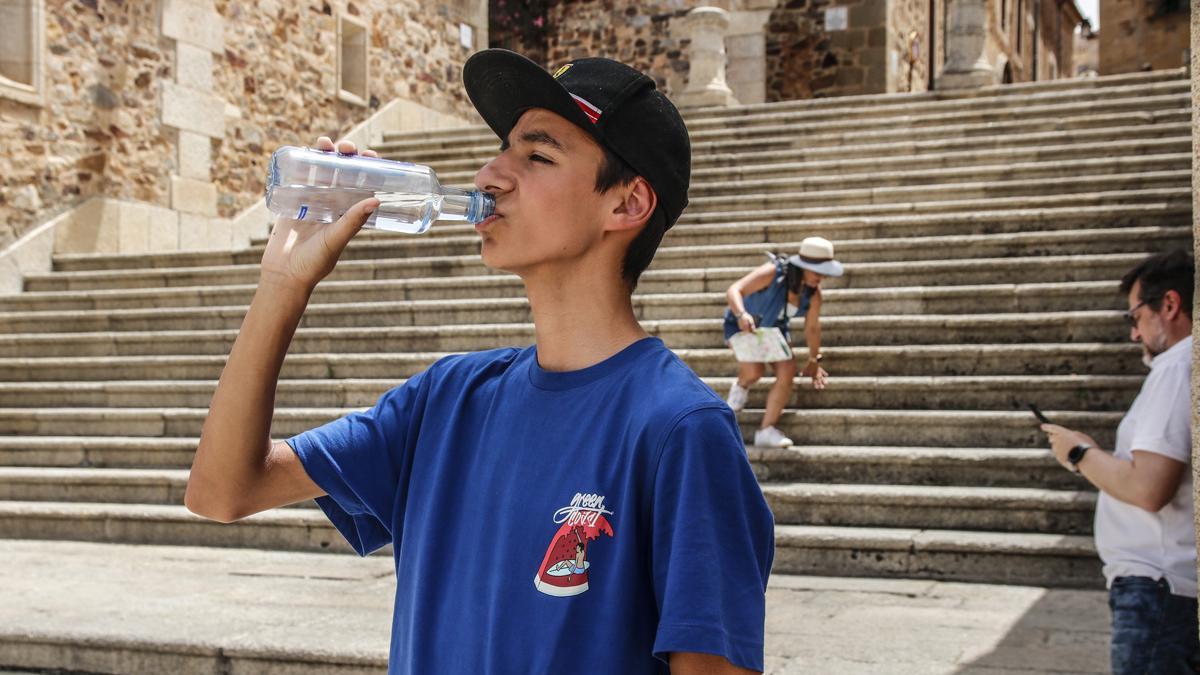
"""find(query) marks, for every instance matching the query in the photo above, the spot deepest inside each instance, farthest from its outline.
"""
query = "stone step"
(911, 360)
(962, 132)
(787, 178)
(1002, 509)
(1022, 91)
(1135, 84)
(994, 509)
(1028, 269)
(1087, 392)
(876, 330)
(1093, 142)
(1017, 558)
(111, 486)
(123, 452)
(949, 428)
(801, 124)
(901, 238)
(744, 197)
(882, 465)
(279, 529)
(1034, 559)
(976, 299)
(943, 428)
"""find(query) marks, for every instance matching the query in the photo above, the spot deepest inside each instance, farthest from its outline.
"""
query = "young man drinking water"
(584, 502)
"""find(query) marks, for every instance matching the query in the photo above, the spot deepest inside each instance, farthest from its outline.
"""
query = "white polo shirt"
(1134, 542)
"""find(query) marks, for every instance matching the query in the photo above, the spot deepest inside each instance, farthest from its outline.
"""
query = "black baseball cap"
(618, 105)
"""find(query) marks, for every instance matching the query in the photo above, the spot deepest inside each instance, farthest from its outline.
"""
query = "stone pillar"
(190, 107)
(966, 34)
(706, 27)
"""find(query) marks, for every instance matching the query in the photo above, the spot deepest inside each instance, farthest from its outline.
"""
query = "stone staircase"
(983, 233)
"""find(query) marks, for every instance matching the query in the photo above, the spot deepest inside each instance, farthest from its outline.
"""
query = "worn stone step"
(279, 529)
(943, 428)
(744, 197)
(1135, 84)
(1029, 269)
(799, 124)
(875, 330)
(112, 486)
(895, 465)
(979, 392)
(786, 178)
(1042, 159)
(961, 132)
(1027, 215)
(1087, 392)
(1035, 559)
(1097, 142)
(976, 299)
(124, 452)
(378, 260)
(994, 509)
(1024, 558)
(949, 428)
(909, 360)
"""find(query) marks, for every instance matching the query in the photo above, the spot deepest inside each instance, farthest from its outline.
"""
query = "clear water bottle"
(308, 184)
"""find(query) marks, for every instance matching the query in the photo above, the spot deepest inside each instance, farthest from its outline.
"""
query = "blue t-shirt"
(554, 522)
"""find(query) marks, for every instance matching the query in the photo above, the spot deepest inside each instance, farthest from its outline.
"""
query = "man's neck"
(580, 320)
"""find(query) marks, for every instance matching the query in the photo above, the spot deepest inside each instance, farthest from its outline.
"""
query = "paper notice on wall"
(836, 18)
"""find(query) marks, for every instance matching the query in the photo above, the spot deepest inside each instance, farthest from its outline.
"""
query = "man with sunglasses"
(1144, 516)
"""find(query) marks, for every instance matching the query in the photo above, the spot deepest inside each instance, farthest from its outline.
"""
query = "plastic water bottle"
(308, 184)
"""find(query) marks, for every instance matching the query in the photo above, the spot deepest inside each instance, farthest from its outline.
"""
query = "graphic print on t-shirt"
(564, 568)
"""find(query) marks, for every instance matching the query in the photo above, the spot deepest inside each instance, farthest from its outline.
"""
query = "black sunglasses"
(1130, 318)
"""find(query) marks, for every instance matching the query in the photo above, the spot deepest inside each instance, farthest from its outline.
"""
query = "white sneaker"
(737, 397)
(771, 438)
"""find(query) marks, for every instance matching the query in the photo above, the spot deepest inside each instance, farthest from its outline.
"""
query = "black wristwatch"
(1075, 456)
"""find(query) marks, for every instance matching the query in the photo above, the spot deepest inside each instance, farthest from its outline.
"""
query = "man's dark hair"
(1174, 271)
(614, 172)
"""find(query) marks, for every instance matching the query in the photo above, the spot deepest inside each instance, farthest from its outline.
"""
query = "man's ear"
(637, 205)
(1172, 304)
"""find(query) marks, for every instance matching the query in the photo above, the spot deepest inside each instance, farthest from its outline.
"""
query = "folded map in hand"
(764, 345)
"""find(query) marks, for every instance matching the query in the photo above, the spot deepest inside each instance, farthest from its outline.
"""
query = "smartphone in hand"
(1038, 414)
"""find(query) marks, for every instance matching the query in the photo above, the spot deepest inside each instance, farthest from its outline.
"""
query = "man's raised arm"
(237, 470)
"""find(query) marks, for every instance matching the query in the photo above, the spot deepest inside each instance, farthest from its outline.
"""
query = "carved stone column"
(966, 33)
(706, 26)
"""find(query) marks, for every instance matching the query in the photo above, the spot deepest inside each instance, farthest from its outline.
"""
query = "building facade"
(1140, 35)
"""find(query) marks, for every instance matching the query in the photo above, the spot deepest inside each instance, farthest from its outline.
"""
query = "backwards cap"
(617, 105)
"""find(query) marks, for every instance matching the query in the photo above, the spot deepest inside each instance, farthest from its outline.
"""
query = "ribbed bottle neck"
(469, 205)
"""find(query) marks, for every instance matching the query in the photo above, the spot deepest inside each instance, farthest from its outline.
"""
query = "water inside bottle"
(403, 212)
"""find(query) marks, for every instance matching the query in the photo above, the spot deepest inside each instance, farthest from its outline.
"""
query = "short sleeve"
(359, 460)
(1164, 424)
(712, 543)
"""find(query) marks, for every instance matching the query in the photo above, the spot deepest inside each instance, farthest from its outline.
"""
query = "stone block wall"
(807, 59)
(98, 130)
(173, 106)
(1142, 34)
(278, 71)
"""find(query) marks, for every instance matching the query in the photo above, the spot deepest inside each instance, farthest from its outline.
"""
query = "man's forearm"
(1118, 478)
(236, 436)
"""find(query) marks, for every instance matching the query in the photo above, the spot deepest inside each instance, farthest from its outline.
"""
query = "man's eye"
(539, 158)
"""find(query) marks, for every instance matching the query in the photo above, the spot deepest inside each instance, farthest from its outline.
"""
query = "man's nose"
(1134, 334)
(492, 177)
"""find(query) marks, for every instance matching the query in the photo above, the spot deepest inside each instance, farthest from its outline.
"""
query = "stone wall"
(908, 64)
(279, 70)
(98, 130)
(635, 33)
(806, 59)
(1142, 35)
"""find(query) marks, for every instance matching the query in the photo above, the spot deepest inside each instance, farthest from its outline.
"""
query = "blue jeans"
(1153, 631)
